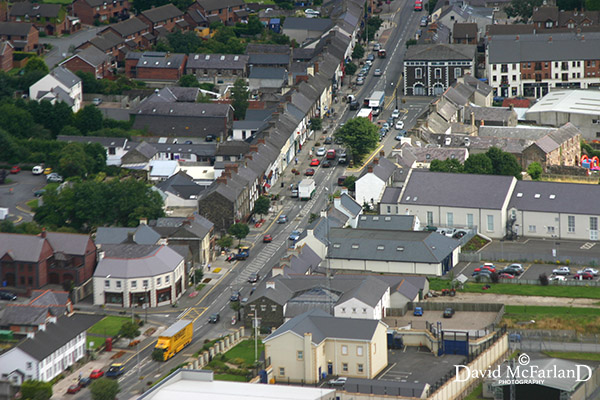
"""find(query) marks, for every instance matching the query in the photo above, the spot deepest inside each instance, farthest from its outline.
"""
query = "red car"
(97, 373)
(15, 170)
(267, 239)
(583, 275)
(506, 276)
(74, 389)
(309, 172)
(315, 162)
(489, 267)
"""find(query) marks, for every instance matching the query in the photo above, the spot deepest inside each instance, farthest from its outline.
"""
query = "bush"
(494, 277)
(544, 280)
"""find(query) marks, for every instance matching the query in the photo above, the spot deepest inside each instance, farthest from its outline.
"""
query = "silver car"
(321, 151)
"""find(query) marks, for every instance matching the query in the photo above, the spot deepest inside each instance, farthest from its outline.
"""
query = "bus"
(418, 5)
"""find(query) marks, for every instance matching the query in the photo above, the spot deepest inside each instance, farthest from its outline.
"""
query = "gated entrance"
(454, 342)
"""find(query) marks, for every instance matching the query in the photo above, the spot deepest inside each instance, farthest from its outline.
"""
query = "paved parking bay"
(532, 271)
(462, 320)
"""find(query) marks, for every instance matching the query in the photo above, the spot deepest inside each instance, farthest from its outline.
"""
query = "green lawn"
(476, 393)
(32, 203)
(580, 319)
(260, 1)
(580, 292)
(244, 351)
(570, 355)
(98, 341)
(108, 326)
(65, 2)
(230, 377)
(543, 310)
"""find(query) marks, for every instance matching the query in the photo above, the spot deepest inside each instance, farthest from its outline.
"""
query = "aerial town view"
(299, 199)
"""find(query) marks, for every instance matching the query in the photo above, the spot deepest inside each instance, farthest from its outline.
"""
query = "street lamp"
(146, 303)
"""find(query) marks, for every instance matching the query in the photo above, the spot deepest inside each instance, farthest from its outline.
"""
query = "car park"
(483, 273)
(254, 277)
(295, 235)
(74, 388)
(37, 170)
(377, 72)
(15, 169)
(400, 125)
(588, 270)
(418, 312)
(97, 373)
(267, 239)
(510, 270)
(309, 172)
(315, 162)
(583, 275)
(321, 151)
(396, 113)
(562, 271)
(282, 219)
(4, 295)
(214, 318)
(448, 312)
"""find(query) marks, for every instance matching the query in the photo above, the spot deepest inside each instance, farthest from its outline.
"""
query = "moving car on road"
(321, 151)
(295, 235)
(315, 162)
(400, 125)
(309, 172)
(254, 277)
(282, 219)
(377, 72)
(267, 239)
(15, 170)
(214, 318)
(115, 370)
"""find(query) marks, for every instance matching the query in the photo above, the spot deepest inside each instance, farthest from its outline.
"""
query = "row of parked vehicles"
(514, 270)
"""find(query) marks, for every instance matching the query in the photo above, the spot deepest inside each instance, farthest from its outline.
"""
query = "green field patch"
(572, 355)
(579, 319)
(108, 326)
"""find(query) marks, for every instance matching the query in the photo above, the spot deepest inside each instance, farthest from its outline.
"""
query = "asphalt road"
(23, 185)
(63, 46)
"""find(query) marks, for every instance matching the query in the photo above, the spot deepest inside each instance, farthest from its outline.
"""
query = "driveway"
(63, 46)
(23, 185)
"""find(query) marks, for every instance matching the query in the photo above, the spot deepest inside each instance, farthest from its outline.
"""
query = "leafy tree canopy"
(360, 135)
(535, 170)
(130, 330)
(448, 165)
(262, 205)
(239, 230)
(478, 164)
(240, 94)
(104, 389)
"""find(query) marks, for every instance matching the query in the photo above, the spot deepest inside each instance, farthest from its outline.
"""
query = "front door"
(329, 368)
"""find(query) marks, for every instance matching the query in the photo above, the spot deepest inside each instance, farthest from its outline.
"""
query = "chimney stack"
(316, 68)
(382, 153)
(261, 141)
(253, 148)
(43, 234)
(376, 161)
(370, 169)
(222, 179)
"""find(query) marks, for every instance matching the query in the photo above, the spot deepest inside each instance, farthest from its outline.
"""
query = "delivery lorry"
(175, 338)
(375, 102)
(306, 189)
(366, 113)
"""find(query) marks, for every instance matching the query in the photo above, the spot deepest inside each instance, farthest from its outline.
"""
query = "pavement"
(59, 389)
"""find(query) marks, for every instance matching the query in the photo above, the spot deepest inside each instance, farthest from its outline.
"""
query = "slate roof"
(128, 27)
(15, 28)
(261, 48)
(387, 222)
(152, 59)
(384, 169)
(350, 204)
(137, 261)
(440, 51)
(555, 197)
(68, 243)
(554, 47)
(195, 224)
(206, 110)
(391, 195)
(370, 291)
(509, 29)
(23, 314)
(457, 190)
(267, 73)
(25, 8)
(304, 260)
(143, 234)
(211, 5)
(399, 246)
(92, 55)
(57, 335)
(465, 30)
(310, 24)
(217, 61)
(181, 185)
(269, 59)
(65, 76)
(106, 41)
(428, 154)
(323, 326)
(162, 13)
(495, 114)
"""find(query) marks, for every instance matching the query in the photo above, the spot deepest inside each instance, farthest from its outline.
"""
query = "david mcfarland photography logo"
(521, 372)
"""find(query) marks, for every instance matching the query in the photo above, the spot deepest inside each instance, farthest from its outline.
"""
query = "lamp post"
(146, 303)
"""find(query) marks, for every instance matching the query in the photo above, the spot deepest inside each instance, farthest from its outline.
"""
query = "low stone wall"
(221, 346)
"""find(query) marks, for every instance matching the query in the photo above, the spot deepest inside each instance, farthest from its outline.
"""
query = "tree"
(104, 389)
(225, 242)
(88, 119)
(592, 5)
(350, 68)
(17, 121)
(358, 52)
(36, 390)
(316, 123)
(198, 275)
(350, 182)
(236, 306)
(239, 94)
(360, 135)
(373, 25)
(262, 205)
(189, 81)
(478, 164)
(72, 160)
(239, 231)
(535, 170)
(158, 355)
(503, 163)
(130, 330)
(447, 165)
(411, 42)
(523, 9)
(36, 64)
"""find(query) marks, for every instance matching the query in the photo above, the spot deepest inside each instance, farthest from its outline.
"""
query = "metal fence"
(567, 282)
(573, 259)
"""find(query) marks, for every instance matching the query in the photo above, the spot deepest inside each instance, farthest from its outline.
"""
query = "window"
(571, 224)
(550, 229)
(450, 219)
(118, 284)
(364, 310)
(345, 367)
(359, 368)
(429, 217)
(299, 355)
(437, 73)
(389, 209)
(531, 228)
(343, 310)
(273, 307)
(281, 371)
(359, 350)
(145, 283)
(457, 72)
(593, 223)
(494, 78)
(29, 365)
(263, 307)
(134, 284)
(107, 284)
(158, 282)
(490, 223)
(344, 350)
(353, 310)
(418, 73)
(167, 279)
(514, 91)
(469, 220)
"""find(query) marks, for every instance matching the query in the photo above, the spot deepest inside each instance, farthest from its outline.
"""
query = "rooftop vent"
(380, 247)
(337, 245)
(400, 248)
(552, 196)
(388, 218)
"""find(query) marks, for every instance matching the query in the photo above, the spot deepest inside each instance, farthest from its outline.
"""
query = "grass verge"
(108, 326)
(33, 204)
(476, 393)
(571, 355)
(230, 377)
(580, 319)
(244, 351)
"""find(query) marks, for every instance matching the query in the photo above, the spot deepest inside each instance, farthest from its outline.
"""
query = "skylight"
(519, 195)
(537, 195)
(355, 246)
(552, 196)
(380, 247)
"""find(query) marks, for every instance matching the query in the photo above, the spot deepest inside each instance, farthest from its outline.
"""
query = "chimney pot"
(43, 234)
(370, 169)
(253, 148)
(376, 160)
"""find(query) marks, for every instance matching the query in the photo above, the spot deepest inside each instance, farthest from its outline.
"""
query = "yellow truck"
(175, 338)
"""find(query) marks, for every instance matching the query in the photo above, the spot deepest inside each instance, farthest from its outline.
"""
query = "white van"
(37, 170)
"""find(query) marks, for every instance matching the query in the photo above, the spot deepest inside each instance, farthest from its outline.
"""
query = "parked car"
(341, 381)
(214, 318)
(4, 295)
(562, 271)
(510, 270)
(54, 177)
(588, 270)
(37, 170)
(483, 273)
(418, 312)
(74, 389)
(97, 373)
(386, 126)
(371, 57)
(267, 239)
(15, 169)
(328, 140)
(398, 137)
(282, 219)
(254, 277)
(295, 235)
(235, 296)
(96, 101)
(354, 105)
(85, 382)
(326, 164)
(47, 171)
(489, 267)
(315, 162)
(504, 275)
(376, 47)
(360, 81)
(39, 193)
(448, 312)
(321, 151)
(209, 138)
(557, 278)
(514, 337)
(583, 275)
(377, 72)
(517, 267)
(341, 180)
(309, 172)
(400, 125)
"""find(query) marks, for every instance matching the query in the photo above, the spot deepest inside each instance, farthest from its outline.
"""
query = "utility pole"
(255, 336)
